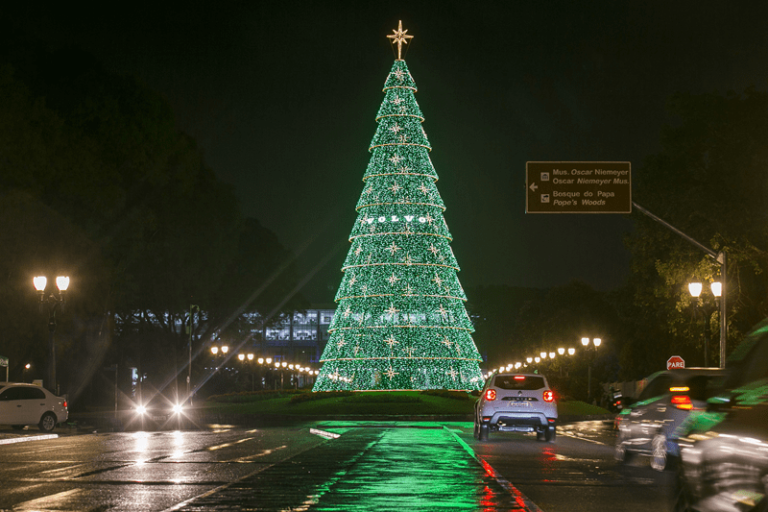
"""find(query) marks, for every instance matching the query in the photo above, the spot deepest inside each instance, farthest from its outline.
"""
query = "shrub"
(252, 396)
(379, 398)
(308, 397)
(445, 393)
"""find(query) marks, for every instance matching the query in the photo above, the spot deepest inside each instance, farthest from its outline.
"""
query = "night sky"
(282, 96)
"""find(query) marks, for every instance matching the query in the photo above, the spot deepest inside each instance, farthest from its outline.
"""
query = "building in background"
(299, 337)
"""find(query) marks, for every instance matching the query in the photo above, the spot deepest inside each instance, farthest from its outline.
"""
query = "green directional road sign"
(3, 361)
(578, 187)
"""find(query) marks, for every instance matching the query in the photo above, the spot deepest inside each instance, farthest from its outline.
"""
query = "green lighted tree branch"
(401, 321)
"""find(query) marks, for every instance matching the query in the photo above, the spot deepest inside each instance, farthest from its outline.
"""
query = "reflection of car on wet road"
(27, 404)
(646, 426)
(516, 402)
(724, 450)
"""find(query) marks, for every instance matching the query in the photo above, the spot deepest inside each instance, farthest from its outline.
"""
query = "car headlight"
(140, 409)
(178, 408)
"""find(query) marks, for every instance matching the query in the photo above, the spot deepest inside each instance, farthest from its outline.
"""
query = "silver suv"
(516, 402)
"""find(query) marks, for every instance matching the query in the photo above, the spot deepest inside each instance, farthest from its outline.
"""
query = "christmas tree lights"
(401, 321)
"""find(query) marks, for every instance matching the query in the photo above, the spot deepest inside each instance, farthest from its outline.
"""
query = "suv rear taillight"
(490, 395)
(549, 396)
(682, 402)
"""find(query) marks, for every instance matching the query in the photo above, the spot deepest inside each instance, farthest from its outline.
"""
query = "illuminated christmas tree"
(401, 321)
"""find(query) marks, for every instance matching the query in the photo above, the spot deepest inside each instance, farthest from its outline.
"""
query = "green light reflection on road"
(411, 469)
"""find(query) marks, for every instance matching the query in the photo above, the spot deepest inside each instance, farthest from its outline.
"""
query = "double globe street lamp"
(55, 300)
(695, 290)
(596, 342)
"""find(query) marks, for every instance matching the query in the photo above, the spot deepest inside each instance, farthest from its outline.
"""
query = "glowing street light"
(694, 289)
(561, 351)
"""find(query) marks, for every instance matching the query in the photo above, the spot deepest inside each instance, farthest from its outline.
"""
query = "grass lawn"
(395, 403)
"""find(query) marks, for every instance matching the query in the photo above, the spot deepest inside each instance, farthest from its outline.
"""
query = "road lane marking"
(522, 500)
(61, 470)
(24, 439)
(248, 458)
(323, 433)
(51, 502)
(573, 436)
(227, 445)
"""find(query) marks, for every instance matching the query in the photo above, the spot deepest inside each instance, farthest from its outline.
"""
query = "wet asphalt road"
(368, 467)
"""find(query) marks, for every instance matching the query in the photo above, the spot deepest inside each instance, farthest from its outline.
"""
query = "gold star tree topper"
(399, 37)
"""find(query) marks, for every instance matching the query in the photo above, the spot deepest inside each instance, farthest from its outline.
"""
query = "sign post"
(578, 187)
(675, 362)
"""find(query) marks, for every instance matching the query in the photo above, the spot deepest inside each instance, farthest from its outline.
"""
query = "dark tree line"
(97, 182)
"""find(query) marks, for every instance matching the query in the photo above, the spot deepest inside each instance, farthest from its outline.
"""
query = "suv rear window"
(525, 384)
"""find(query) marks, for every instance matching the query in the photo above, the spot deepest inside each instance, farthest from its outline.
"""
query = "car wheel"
(621, 453)
(659, 453)
(47, 422)
(682, 498)
(476, 430)
(483, 432)
(540, 436)
(550, 435)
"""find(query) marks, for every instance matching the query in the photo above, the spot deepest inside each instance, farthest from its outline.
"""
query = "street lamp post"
(695, 290)
(54, 301)
(192, 308)
(596, 343)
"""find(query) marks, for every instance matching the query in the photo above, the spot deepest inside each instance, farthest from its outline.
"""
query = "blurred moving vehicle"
(612, 400)
(28, 404)
(516, 402)
(724, 450)
(155, 412)
(646, 426)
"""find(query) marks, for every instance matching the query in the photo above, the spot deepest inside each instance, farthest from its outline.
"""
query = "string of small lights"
(542, 357)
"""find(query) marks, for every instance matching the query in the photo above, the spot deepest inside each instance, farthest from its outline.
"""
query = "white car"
(28, 404)
(516, 402)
